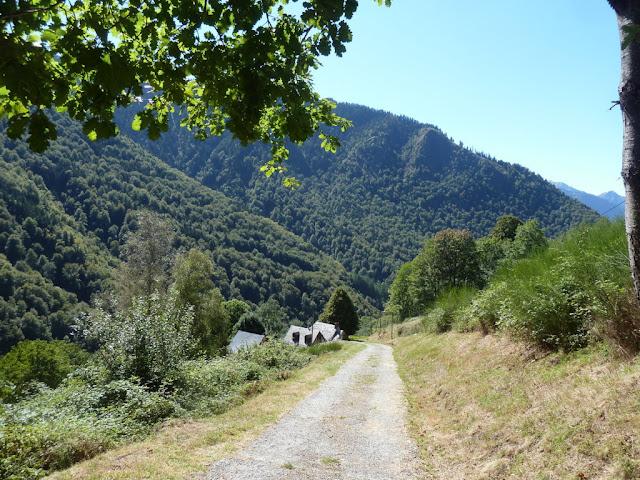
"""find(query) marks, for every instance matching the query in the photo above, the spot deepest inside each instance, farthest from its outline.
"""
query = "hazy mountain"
(609, 204)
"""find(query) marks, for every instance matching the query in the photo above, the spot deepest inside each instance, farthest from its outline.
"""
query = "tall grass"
(447, 309)
(576, 291)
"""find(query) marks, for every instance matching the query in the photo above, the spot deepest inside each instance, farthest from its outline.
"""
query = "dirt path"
(352, 427)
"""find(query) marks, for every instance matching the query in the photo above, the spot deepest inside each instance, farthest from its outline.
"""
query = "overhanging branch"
(5, 17)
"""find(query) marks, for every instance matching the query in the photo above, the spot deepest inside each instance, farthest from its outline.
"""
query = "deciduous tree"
(148, 255)
(193, 282)
(628, 14)
(454, 259)
(506, 227)
(240, 65)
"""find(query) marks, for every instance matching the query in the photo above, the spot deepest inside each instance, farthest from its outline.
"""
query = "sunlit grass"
(487, 407)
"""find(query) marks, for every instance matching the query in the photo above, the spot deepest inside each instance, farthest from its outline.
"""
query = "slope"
(66, 212)
(371, 205)
(609, 204)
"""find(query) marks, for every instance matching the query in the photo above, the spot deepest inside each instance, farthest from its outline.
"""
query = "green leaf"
(49, 36)
(136, 124)
(291, 183)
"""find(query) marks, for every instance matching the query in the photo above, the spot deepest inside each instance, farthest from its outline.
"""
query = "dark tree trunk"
(628, 13)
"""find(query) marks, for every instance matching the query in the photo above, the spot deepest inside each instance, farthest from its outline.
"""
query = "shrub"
(147, 340)
(551, 311)
(47, 362)
(207, 387)
(275, 356)
(447, 309)
(485, 310)
(250, 322)
(562, 297)
(91, 411)
(56, 428)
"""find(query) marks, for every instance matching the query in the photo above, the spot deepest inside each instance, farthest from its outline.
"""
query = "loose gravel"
(352, 427)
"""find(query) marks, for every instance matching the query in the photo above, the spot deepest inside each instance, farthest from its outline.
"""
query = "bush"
(90, 411)
(447, 309)
(275, 356)
(147, 340)
(486, 309)
(76, 421)
(562, 297)
(47, 362)
(206, 387)
(551, 312)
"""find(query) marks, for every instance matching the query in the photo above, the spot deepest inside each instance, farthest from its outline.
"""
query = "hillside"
(488, 407)
(371, 205)
(64, 215)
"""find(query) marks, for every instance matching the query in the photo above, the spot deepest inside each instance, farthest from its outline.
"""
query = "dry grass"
(484, 407)
(183, 449)
(392, 332)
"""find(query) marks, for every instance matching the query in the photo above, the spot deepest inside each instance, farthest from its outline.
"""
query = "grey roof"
(244, 339)
(288, 338)
(329, 331)
(319, 332)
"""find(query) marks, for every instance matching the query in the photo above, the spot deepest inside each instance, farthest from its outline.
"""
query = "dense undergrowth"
(89, 412)
(575, 292)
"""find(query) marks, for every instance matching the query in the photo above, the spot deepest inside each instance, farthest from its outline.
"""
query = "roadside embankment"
(488, 407)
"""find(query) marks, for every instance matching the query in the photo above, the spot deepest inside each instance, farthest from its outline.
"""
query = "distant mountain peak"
(609, 204)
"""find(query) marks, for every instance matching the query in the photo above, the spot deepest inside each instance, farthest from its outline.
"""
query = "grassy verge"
(184, 448)
(484, 407)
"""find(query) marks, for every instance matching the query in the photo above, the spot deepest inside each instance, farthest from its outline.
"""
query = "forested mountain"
(64, 215)
(370, 206)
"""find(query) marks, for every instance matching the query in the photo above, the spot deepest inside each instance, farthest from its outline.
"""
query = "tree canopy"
(340, 311)
(238, 65)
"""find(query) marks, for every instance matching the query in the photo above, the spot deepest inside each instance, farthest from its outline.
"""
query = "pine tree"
(340, 311)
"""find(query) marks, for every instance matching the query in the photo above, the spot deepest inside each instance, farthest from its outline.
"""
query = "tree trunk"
(628, 13)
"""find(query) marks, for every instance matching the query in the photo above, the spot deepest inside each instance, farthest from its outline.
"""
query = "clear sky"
(528, 82)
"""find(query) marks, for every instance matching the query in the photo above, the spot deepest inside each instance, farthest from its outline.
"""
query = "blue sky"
(527, 82)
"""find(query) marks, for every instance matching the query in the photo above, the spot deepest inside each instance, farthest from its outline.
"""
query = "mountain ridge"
(68, 214)
(393, 183)
(609, 204)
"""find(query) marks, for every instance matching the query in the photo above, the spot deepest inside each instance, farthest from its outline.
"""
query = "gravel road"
(351, 427)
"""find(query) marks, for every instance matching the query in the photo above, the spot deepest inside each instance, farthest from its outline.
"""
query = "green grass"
(324, 348)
